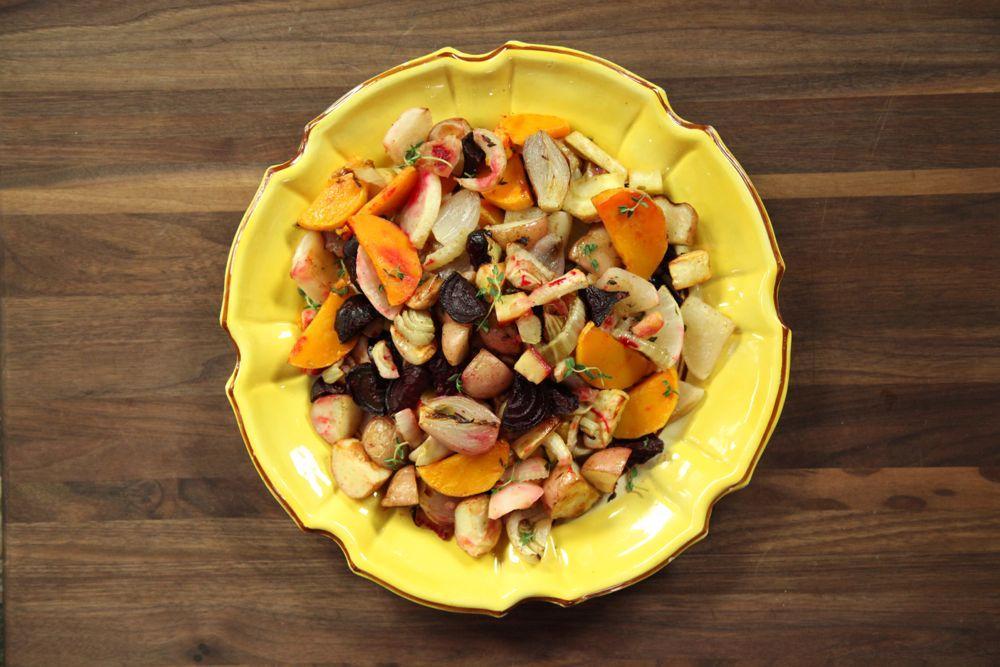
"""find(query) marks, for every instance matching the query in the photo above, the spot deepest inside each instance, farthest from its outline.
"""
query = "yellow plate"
(713, 451)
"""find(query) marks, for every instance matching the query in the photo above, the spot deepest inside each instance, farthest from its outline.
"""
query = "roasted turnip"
(486, 376)
(335, 417)
(475, 531)
(355, 473)
(410, 129)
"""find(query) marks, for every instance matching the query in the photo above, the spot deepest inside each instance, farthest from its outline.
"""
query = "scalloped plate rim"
(513, 45)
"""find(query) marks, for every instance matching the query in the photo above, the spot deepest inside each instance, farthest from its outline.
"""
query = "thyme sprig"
(640, 200)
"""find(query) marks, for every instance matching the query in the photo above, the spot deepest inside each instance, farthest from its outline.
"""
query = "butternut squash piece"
(520, 126)
(392, 254)
(650, 404)
(489, 214)
(637, 228)
(513, 193)
(394, 195)
(319, 346)
(611, 364)
(343, 196)
(462, 475)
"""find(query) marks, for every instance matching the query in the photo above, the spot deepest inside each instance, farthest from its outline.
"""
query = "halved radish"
(335, 417)
(529, 469)
(411, 128)
(450, 127)
(421, 209)
(495, 162)
(665, 351)
(314, 268)
(514, 496)
(372, 287)
(406, 424)
(441, 156)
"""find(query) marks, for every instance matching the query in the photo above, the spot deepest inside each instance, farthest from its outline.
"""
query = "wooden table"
(133, 135)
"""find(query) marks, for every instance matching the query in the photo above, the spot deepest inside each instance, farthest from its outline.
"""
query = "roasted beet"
(643, 448)
(661, 276)
(477, 244)
(322, 388)
(351, 260)
(354, 315)
(368, 389)
(599, 303)
(404, 392)
(459, 300)
(473, 155)
(527, 405)
(563, 401)
(442, 374)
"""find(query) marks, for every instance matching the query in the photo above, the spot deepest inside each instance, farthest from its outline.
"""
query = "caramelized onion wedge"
(547, 170)
(460, 424)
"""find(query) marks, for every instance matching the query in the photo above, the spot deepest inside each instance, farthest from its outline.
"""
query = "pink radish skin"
(369, 283)
(496, 162)
(406, 424)
(448, 149)
(515, 496)
(306, 318)
(421, 209)
(529, 469)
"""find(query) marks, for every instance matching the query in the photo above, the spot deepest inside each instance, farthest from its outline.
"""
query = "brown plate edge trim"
(661, 96)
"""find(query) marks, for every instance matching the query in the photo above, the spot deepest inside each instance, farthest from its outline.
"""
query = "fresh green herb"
(340, 291)
(500, 486)
(588, 250)
(381, 288)
(413, 154)
(343, 269)
(629, 211)
(397, 274)
(669, 389)
(492, 290)
(589, 372)
(630, 479)
(525, 535)
(398, 455)
(457, 379)
(310, 303)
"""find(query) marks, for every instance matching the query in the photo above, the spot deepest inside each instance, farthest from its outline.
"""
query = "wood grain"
(132, 136)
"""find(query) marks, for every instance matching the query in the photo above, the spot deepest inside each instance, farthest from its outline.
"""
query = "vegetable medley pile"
(494, 325)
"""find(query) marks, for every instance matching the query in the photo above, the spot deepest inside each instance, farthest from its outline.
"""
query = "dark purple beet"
(404, 392)
(442, 375)
(643, 448)
(527, 405)
(459, 300)
(368, 389)
(477, 244)
(661, 276)
(354, 315)
(351, 260)
(599, 303)
(563, 401)
(322, 388)
(474, 156)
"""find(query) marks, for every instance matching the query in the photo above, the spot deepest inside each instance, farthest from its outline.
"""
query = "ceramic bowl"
(710, 453)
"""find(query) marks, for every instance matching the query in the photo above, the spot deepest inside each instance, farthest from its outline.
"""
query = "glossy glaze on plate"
(713, 451)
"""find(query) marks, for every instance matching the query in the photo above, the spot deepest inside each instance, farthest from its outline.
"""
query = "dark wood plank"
(136, 530)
